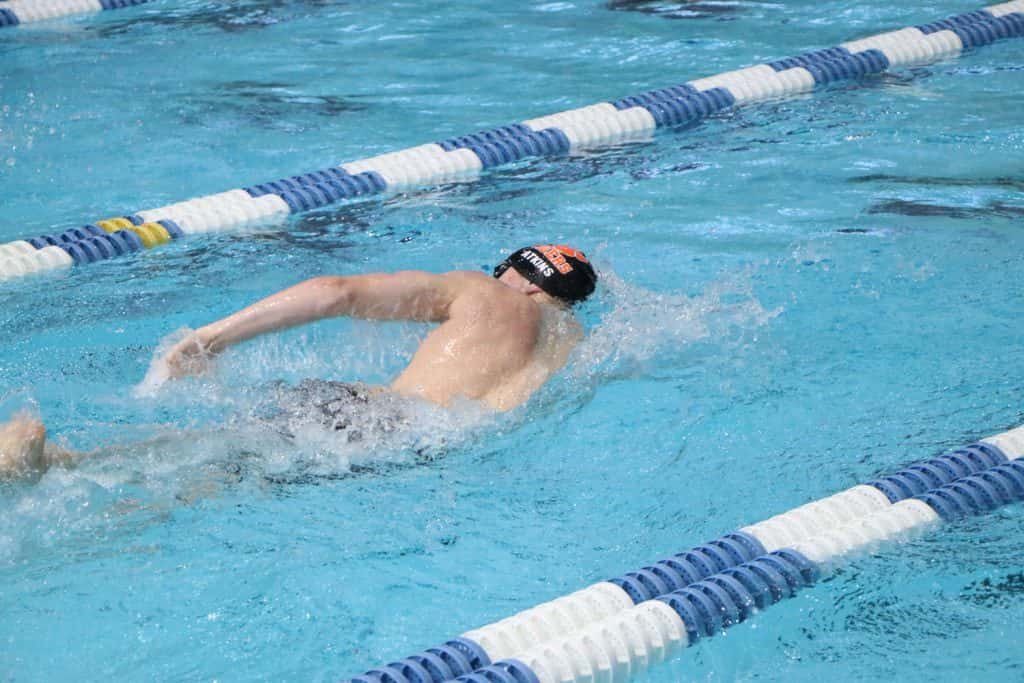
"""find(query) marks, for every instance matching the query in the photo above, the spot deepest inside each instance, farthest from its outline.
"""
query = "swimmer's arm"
(63, 457)
(406, 295)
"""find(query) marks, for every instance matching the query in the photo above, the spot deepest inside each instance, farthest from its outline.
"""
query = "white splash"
(158, 373)
(644, 326)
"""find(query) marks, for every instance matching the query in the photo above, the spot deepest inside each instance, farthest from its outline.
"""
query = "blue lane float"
(463, 158)
(977, 494)
(455, 658)
(120, 4)
(615, 629)
(730, 597)
(940, 471)
(689, 567)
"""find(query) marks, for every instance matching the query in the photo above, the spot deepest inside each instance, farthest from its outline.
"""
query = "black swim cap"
(561, 271)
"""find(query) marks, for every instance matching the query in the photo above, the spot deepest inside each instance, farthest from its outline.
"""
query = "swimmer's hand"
(181, 353)
(190, 356)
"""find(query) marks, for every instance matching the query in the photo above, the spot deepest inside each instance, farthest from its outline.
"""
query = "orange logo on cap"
(556, 255)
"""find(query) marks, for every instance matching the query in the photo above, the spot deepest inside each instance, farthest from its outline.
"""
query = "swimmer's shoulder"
(476, 290)
(475, 282)
(468, 277)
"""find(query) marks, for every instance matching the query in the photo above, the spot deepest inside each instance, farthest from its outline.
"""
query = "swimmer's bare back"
(498, 340)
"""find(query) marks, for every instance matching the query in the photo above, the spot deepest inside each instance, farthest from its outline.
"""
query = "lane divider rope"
(15, 12)
(464, 157)
(615, 629)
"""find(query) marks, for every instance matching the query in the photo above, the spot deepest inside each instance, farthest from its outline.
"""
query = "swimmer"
(499, 339)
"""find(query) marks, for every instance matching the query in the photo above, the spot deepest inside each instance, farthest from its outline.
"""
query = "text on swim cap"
(539, 263)
(555, 256)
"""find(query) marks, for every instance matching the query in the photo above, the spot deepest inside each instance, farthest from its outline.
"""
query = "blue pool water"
(797, 296)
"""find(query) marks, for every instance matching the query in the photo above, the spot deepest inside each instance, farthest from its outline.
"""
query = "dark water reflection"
(227, 17)
(691, 9)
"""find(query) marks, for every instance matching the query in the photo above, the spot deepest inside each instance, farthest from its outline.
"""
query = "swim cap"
(561, 271)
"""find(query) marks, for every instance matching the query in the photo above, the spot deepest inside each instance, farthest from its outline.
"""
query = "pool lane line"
(611, 630)
(465, 157)
(93, 242)
(16, 12)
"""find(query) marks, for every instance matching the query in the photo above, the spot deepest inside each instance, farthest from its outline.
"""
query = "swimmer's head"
(558, 270)
(21, 448)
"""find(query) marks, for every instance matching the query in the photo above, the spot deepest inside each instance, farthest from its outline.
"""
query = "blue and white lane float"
(463, 158)
(614, 630)
(17, 12)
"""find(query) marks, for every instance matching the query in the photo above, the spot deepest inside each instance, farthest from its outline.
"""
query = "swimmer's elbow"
(332, 294)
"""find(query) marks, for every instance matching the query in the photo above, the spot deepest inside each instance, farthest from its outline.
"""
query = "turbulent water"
(796, 297)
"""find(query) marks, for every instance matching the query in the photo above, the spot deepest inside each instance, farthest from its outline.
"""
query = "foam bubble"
(17, 400)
